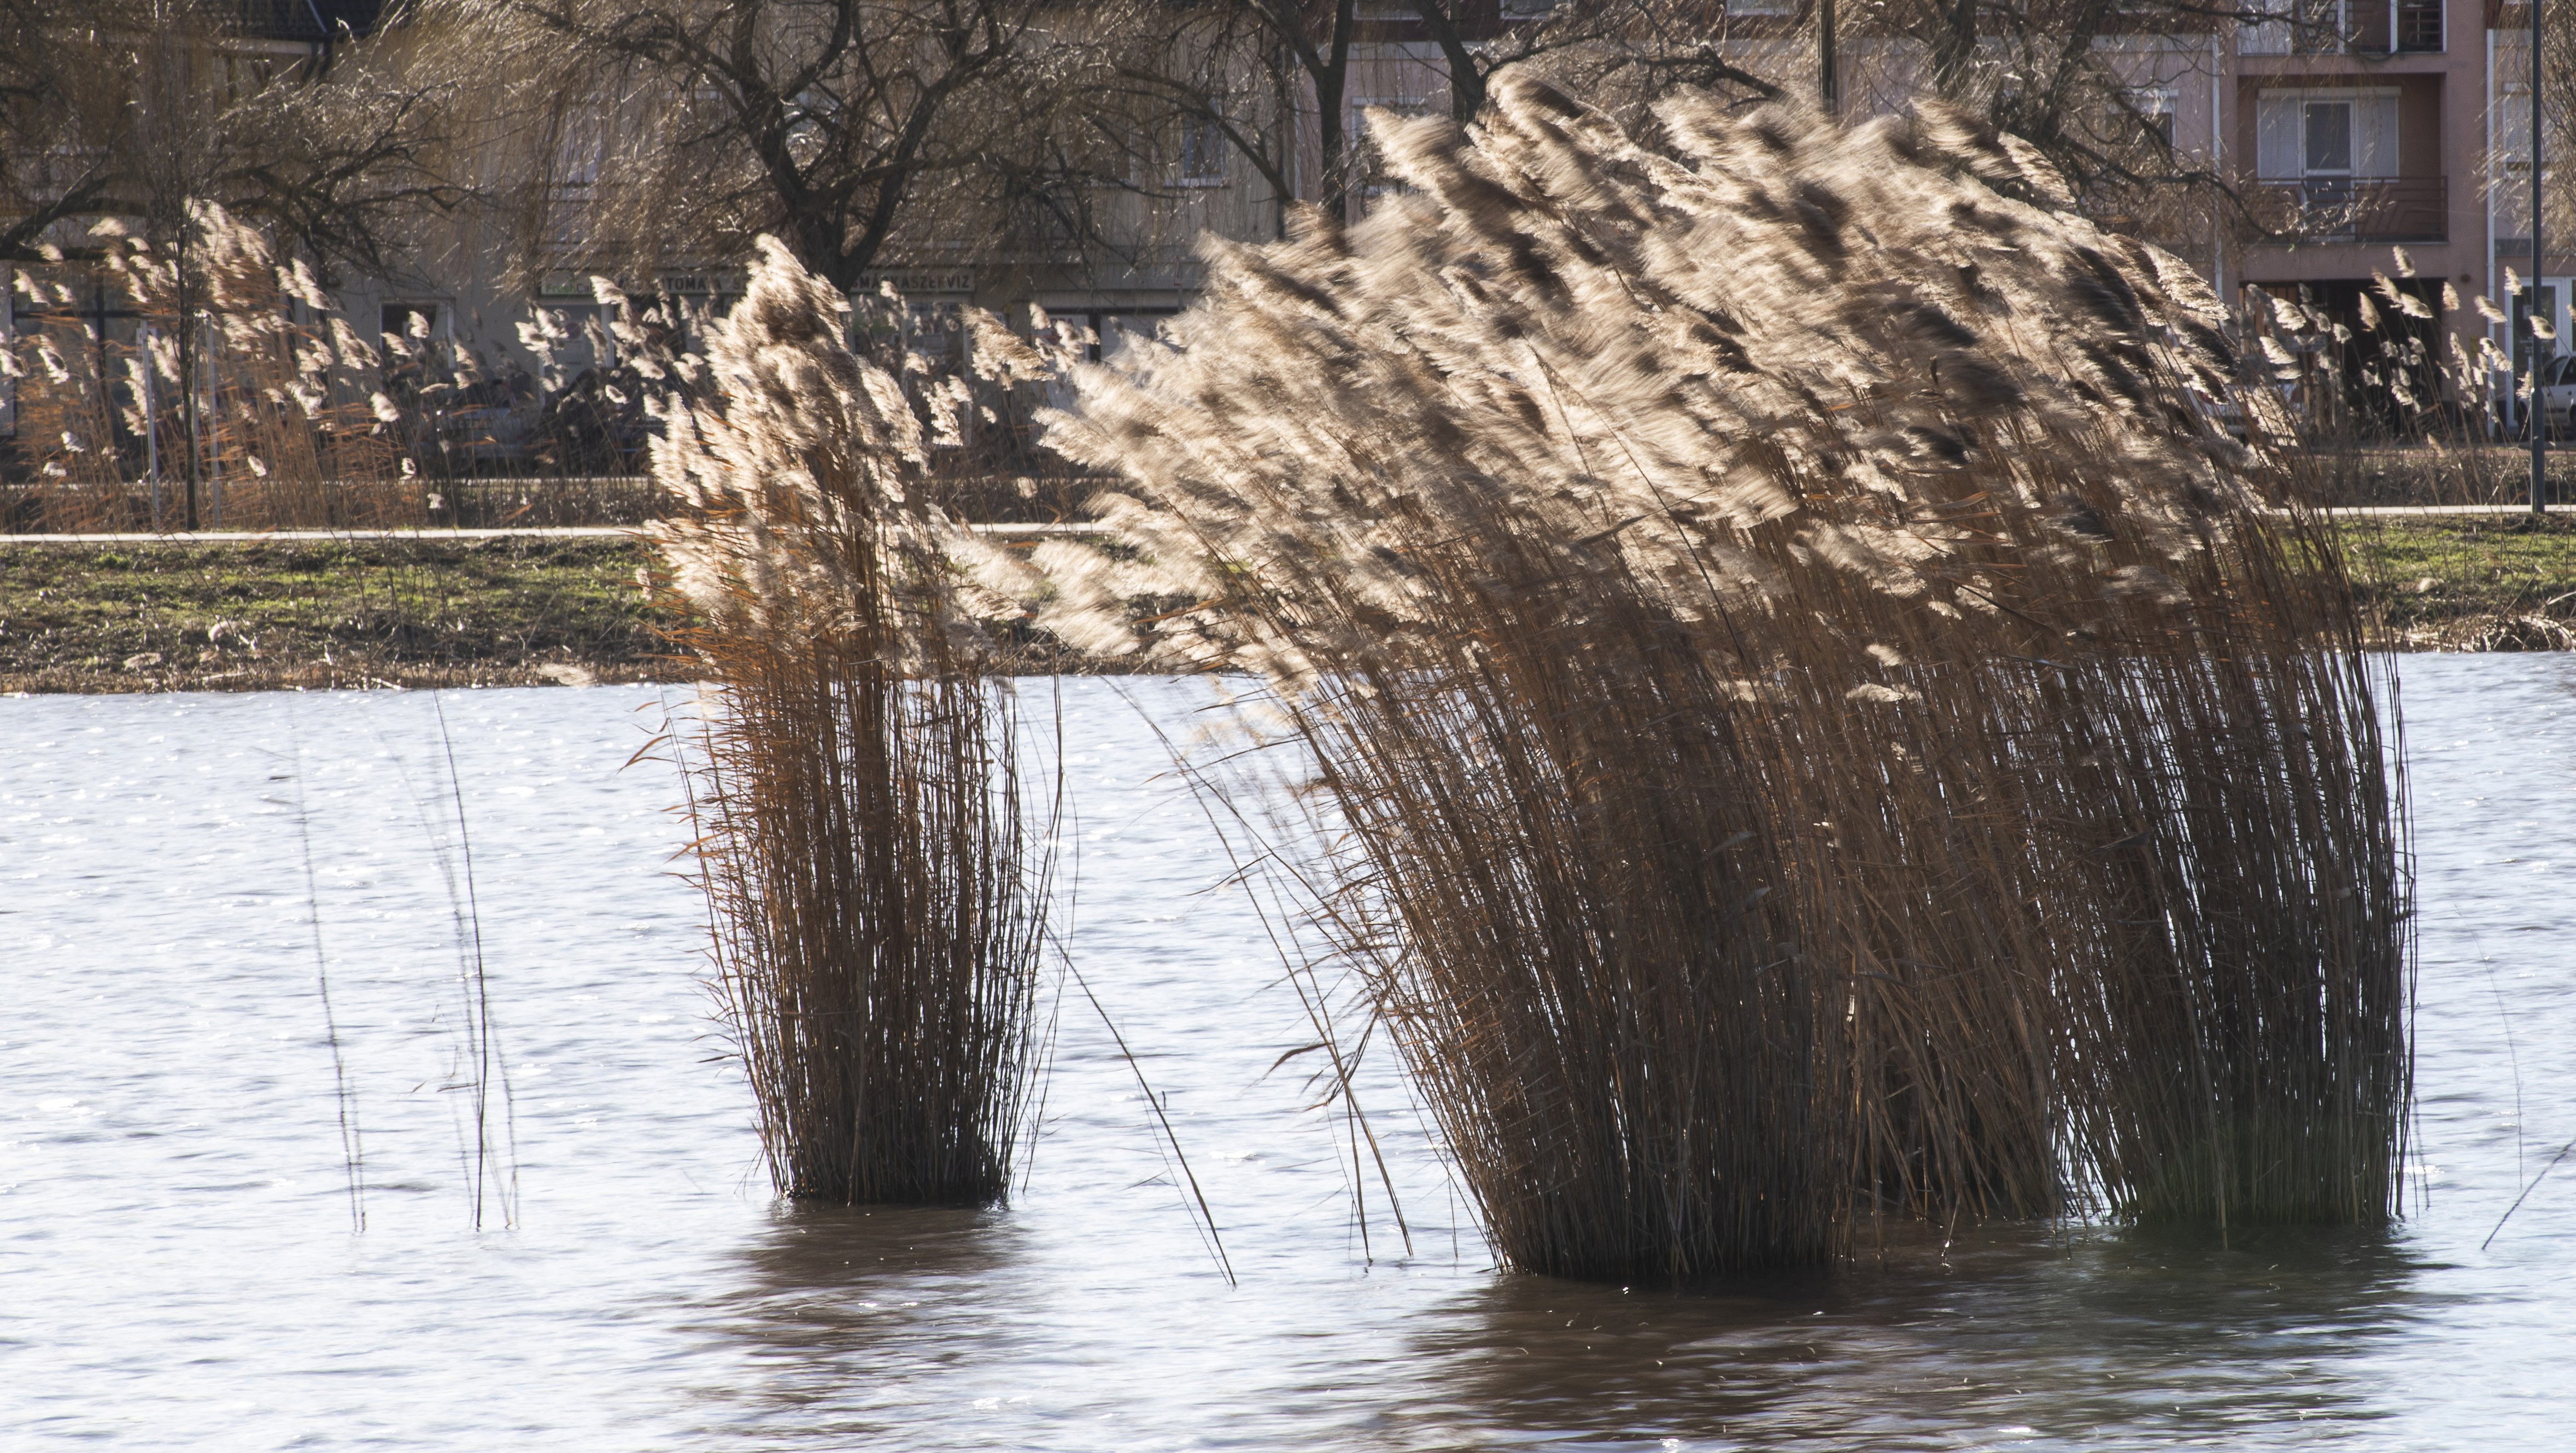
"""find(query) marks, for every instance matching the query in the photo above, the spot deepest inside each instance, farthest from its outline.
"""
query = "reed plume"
(1833, 725)
(877, 900)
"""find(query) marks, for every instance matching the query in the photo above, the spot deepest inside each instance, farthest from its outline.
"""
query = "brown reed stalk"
(877, 893)
(1835, 725)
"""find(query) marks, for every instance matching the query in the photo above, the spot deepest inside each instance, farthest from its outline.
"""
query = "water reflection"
(2012, 1336)
(842, 1317)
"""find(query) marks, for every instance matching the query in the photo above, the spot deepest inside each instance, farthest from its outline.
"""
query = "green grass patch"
(2469, 583)
(324, 613)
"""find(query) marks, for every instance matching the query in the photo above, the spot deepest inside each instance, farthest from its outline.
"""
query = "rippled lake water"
(178, 1266)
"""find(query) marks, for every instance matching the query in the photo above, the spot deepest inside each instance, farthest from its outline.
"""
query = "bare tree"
(1251, 68)
(60, 122)
(136, 109)
(841, 126)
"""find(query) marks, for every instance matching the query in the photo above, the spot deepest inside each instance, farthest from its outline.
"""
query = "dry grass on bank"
(257, 617)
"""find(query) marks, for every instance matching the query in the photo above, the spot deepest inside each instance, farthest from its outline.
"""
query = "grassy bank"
(2503, 583)
(182, 617)
(529, 611)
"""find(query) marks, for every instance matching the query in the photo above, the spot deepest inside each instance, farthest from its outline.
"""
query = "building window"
(1203, 155)
(2326, 134)
(2419, 25)
(2528, 345)
(2513, 128)
(2267, 36)
(2154, 107)
(2327, 159)
(1761, 7)
(2325, 138)
(2303, 27)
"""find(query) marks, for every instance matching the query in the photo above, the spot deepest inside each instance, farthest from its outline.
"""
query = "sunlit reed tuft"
(1828, 724)
(877, 897)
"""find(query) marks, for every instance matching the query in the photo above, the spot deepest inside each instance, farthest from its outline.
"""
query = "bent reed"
(1823, 722)
(876, 889)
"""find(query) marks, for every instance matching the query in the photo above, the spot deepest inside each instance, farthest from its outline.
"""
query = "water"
(178, 1268)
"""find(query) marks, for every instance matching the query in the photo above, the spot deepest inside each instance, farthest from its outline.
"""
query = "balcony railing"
(2351, 209)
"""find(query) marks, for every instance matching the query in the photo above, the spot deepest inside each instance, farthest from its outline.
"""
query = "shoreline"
(455, 609)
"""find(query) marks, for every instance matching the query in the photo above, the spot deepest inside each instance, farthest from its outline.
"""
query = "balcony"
(2378, 210)
(2341, 27)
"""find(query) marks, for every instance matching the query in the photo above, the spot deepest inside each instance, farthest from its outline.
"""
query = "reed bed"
(1826, 724)
(236, 393)
(877, 889)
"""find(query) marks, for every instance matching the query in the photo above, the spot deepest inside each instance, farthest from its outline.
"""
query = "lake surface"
(179, 1268)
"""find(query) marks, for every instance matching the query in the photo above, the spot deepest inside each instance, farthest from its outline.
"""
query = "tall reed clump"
(1834, 726)
(877, 899)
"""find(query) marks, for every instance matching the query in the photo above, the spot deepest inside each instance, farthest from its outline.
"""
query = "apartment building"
(2333, 136)
(2406, 124)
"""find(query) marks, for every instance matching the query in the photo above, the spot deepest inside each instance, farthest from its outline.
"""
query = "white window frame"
(2309, 166)
(2364, 167)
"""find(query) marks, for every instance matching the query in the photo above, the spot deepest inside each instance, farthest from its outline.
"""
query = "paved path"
(2422, 511)
(531, 532)
(1059, 531)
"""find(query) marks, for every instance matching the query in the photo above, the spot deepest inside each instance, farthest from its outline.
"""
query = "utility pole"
(2539, 412)
(188, 369)
(1828, 87)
